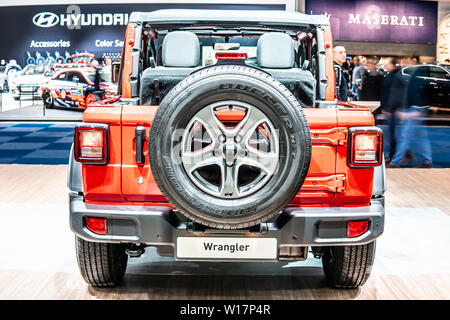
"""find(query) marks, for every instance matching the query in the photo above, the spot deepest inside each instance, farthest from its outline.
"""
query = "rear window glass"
(436, 72)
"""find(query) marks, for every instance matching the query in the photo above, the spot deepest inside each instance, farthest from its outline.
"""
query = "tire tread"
(348, 267)
(101, 264)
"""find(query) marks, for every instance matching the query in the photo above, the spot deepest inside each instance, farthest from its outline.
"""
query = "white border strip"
(289, 4)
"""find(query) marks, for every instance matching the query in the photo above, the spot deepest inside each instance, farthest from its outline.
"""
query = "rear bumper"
(295, 227)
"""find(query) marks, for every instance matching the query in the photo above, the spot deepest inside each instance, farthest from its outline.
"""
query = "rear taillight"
(365, 146)
(91, 143)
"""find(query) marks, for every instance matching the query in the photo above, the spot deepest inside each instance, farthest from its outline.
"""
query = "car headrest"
(181, 49)
(275, 50)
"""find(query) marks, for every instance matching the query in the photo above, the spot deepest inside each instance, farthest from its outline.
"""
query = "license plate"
(226, 248)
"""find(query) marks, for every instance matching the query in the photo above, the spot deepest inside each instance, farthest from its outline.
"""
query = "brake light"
(357, 228)
(366, 146)
(96, 225)
(91, 143)
(231, 56)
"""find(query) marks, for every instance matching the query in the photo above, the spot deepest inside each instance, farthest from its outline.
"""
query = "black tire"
(348, 267)
(101, 264)
(47, 100)
(258, 89)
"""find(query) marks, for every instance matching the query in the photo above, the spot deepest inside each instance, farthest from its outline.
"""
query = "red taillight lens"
(357, 228)
(91, 143)
(96, 225)
(231, 55)
(365, 147)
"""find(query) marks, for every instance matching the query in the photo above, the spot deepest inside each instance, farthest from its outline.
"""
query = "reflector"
(96, 225)
(357, 228)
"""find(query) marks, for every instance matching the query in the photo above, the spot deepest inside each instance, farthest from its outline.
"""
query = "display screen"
(381, 20)
(37, 34)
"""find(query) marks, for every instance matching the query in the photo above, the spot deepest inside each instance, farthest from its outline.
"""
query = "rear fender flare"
(74, 174)
(379, 180)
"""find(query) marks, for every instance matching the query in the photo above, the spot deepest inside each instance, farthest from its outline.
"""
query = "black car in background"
(435, 80)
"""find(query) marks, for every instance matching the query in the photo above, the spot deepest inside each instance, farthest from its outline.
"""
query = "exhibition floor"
(38, 260)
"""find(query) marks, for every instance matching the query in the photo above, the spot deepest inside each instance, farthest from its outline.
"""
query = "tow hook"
(317, 252)
(135, 251)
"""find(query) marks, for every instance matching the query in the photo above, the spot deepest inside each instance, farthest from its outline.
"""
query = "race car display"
(28, 81)
(76, 88)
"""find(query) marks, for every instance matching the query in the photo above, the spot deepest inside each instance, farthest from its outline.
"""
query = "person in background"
(346, 70)
(339, 57)
(358, 72)
(392, 99)
(372, 81)
(350, 70)
(414, 130)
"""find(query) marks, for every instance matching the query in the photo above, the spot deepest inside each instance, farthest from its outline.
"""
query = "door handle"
(140, 138)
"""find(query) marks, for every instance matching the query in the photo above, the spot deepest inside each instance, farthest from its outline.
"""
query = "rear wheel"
(92, 97)
(348, 267)
(48, 100)
(101, 264)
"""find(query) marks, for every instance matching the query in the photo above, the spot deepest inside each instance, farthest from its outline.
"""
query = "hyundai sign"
(381, 21)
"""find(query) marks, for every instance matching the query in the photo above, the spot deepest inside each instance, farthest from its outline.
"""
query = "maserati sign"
(45, 19)
(383, 21)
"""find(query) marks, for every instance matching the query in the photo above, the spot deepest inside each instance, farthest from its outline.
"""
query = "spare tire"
(230, 146)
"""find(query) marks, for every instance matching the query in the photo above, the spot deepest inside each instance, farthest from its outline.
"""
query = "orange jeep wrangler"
(226, 143)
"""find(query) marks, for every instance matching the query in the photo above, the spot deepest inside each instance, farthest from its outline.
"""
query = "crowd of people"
(401, 102)
(361, 79)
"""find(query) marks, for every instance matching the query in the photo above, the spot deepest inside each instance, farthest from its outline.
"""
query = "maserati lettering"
(385, 20)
